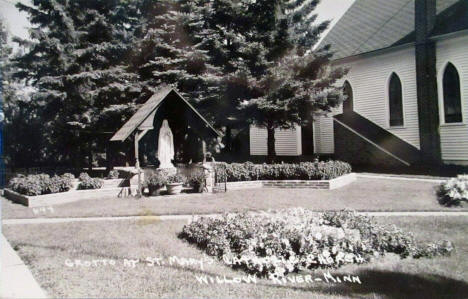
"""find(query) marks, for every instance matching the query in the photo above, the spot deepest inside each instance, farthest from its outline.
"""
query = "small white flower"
(334, 250)
(349, 257)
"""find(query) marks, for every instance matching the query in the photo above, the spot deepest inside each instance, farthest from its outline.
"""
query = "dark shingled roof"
(370, 25)
(452, 19)
(139, 117)
(148, 108)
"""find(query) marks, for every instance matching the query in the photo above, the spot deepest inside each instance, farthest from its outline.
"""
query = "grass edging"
(109, 240)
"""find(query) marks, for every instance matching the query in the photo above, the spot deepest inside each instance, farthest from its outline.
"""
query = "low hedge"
(39, 184)
(302, 171)
(87, 182)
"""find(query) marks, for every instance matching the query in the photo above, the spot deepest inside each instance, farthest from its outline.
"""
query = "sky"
(17, 22)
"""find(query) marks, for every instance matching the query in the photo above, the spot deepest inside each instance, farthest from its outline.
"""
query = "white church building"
(407, 87)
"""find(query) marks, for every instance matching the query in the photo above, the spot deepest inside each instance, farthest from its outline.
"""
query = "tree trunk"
(90, 153)
(83, 156)
(271, 145)
(228, 139)
(109, 157)
(90, 159)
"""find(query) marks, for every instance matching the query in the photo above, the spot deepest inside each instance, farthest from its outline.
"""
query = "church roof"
(147, 111)
(370, 25)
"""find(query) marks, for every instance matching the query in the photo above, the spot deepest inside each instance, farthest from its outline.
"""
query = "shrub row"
(38, 184)
(302, 171)
(291, 240)
(454, 191)
(87, 182)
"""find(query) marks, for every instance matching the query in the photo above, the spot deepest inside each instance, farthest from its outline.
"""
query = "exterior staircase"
(381, 139)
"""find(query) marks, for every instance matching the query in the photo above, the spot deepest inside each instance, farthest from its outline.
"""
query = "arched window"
(452, 98)
(395, 98)
(348, 93)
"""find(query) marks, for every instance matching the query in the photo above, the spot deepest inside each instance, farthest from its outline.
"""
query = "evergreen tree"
(285, 80)
(20, 126)
(78, 63)
(226, 22)
(93, 62)
(172, 51)
(5, 51)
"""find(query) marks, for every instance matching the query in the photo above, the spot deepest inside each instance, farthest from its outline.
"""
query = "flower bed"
(41, 189)
(291, 240)
(454, 191)
(40, 184)
(87, 182)
(154, 181)
(302, 171)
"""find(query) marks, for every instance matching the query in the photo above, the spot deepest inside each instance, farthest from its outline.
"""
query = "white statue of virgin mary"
(165, 146)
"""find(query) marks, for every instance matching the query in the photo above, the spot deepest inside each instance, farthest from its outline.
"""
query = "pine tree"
(5, 51)
(94, 62)
(172, 51)
(79, 65)
(20, 126)
(226, 22)
(285, 80)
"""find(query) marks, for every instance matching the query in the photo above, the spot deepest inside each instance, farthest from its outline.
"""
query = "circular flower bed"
(291, 240)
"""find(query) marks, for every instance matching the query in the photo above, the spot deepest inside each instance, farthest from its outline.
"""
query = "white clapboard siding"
(287, 142)
(454, 138)
(323, 134)
(369, 77)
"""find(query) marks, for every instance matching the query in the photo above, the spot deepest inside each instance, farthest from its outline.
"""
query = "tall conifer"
(286, 80)
(78, 63)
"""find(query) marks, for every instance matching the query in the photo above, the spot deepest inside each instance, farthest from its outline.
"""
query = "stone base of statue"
(169, 169)
(166, 165)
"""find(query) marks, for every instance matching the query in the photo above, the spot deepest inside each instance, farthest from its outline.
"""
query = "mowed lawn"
(46, 247)
(364, 195)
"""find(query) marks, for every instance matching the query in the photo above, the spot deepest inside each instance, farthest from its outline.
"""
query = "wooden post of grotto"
(138, 135)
